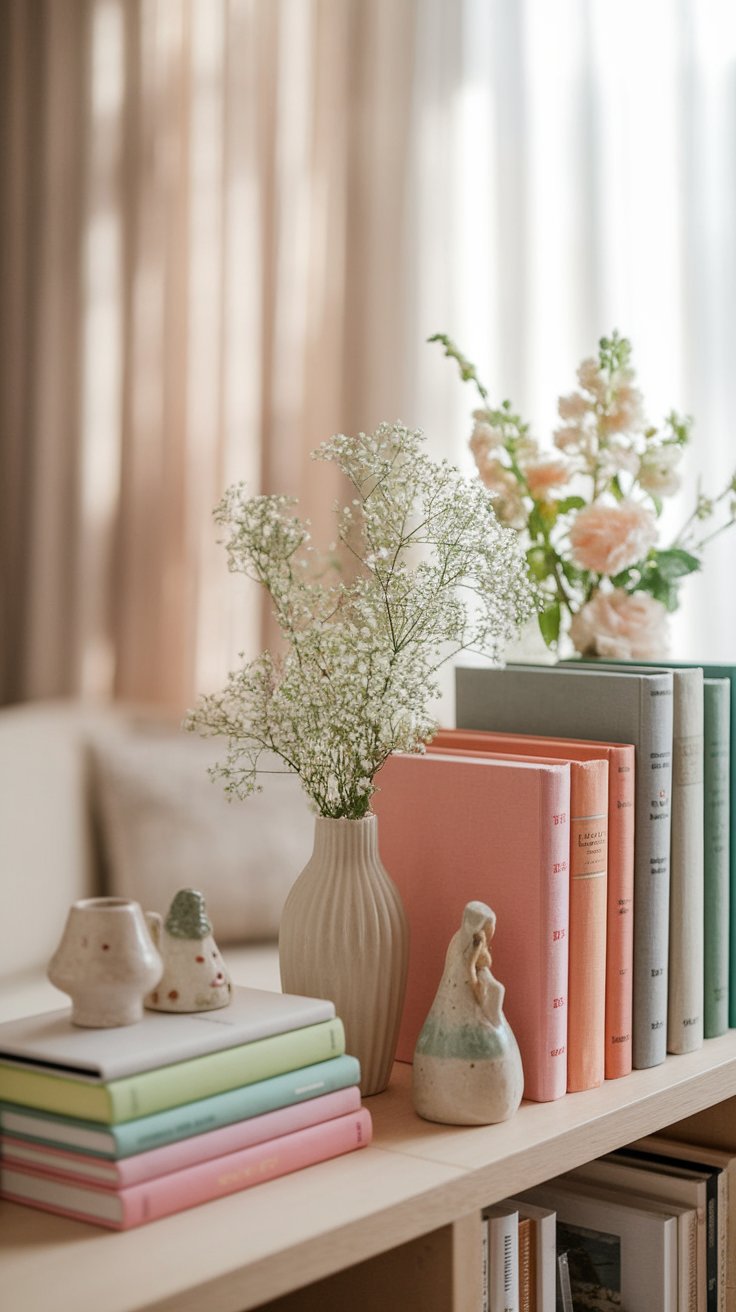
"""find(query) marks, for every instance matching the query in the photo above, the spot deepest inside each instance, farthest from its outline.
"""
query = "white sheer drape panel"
(230, 225)
(574, 170)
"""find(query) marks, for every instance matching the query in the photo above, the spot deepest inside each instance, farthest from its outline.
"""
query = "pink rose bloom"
(622, 626)
(543, 476)
(607, 539)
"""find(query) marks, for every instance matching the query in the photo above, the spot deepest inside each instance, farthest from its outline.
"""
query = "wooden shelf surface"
(241, 1251)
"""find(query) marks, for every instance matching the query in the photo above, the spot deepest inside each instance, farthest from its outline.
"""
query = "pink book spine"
(134, 1170)
(225, 1175)
(620, 918)
(554, 920)
(249, 1166)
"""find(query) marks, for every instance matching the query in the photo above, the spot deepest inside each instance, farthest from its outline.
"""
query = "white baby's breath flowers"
(435, 574)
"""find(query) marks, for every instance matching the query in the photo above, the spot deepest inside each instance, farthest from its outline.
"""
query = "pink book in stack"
(123, 1208)
(455, 829)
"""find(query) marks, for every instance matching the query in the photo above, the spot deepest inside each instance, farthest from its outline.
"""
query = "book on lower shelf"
(543, 1241)
(720, 1167)
(673, 1185)
(622, 1250)
(503, 1293)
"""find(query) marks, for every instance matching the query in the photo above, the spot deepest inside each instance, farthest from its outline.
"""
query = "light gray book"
(716, 790)
(687, 912)
(687, 908)
(611, 706)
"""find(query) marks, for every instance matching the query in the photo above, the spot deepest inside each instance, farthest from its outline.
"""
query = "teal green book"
(176, 1123)
(717, 768)
(151, 1091)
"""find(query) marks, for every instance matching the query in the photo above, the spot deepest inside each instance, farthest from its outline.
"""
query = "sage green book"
(150, 1091)
(717, 775)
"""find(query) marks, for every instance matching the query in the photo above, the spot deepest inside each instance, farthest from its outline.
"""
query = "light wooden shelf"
(415, 1180)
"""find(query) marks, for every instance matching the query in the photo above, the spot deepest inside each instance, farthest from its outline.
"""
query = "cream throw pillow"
(164, 824)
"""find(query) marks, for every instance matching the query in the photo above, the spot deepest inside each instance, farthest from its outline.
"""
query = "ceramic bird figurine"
(195, 977)
(467, 1067)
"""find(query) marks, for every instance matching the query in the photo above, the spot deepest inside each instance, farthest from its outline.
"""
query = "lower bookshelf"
(395, 1225)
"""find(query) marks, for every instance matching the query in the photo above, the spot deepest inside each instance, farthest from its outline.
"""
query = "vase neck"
(346, 842)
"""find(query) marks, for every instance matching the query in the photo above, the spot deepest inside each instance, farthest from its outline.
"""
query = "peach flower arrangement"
(588, 510)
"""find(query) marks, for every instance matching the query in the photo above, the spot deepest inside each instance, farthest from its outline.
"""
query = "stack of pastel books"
(590, 806)
(122, 1126)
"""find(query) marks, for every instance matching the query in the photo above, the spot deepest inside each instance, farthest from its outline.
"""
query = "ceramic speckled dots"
(467, 1068)
(106, 962)
(194, 978)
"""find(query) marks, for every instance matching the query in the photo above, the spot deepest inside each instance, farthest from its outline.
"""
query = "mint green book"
(717, 776)
(176, 1123)
(152, 1091)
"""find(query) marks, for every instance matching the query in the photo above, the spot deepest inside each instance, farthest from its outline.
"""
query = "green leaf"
(549, 623)
(616, 488)
(535, 523)
(675, 563)
(623, 579)
(572, 573)
(539, 566)
(570, 503)
(659, 587)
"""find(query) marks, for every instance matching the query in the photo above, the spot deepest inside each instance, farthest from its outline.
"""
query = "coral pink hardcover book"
(121, 1209)
(177, 1156)
(453, 829)
(586, 988)
(621, 759)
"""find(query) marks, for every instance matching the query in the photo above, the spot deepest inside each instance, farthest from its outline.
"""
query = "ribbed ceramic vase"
(344, 936)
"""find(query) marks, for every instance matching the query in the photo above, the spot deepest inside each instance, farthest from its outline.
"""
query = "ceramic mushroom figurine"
(467, 1068)
(195, 977)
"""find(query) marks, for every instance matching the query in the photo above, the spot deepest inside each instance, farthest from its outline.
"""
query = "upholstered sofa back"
(103, 799)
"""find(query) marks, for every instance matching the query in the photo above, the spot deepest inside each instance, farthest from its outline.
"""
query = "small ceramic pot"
(194, 976)
(106, 962)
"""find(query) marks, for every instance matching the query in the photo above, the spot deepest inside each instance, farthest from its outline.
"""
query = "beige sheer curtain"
(204, 202)
(228, 228)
